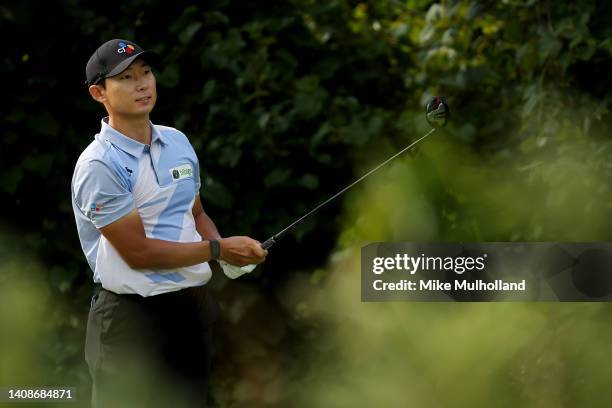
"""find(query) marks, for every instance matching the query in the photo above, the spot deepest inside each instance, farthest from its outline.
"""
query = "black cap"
(113, 57)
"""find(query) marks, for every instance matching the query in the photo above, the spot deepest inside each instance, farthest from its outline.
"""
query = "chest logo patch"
(181, 172)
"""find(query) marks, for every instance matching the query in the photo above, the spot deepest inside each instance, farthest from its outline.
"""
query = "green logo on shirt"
(181, 172)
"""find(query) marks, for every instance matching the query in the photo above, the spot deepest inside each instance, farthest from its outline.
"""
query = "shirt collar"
(156, 135)
(127, 144)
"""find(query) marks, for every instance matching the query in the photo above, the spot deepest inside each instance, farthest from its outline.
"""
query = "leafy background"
(285, 102)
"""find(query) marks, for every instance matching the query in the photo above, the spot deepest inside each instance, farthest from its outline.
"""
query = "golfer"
(149, 243)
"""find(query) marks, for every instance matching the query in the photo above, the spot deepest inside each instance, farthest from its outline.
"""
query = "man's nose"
(141, 83)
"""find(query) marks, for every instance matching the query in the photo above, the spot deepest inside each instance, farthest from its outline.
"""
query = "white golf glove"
(233, 272)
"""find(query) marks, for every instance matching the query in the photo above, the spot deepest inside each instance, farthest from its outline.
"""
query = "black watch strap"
(215, 249)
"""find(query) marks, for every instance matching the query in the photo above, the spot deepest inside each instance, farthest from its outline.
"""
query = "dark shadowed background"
(285, 102)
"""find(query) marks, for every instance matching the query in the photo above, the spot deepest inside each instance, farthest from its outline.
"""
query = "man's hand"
(242, 251)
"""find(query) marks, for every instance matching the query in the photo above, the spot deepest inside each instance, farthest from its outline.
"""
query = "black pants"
(150, 351)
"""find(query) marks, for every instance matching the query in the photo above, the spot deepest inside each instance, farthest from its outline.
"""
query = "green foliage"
(285, 102)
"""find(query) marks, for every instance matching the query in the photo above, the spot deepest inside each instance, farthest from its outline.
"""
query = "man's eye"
(126, 77)
(147, 71)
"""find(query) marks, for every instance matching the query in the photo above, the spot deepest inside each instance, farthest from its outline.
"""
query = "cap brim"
(149, 56)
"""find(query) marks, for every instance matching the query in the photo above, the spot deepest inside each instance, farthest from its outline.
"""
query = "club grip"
(268, 243)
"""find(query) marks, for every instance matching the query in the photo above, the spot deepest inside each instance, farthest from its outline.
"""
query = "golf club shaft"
(272, 240)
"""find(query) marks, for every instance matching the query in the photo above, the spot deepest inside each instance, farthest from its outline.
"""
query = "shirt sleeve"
(100, 193)
(196, 175)
(196, 170)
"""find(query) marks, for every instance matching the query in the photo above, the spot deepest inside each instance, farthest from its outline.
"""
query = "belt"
(197, 292)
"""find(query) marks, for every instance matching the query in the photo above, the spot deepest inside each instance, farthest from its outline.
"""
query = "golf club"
(437, 113)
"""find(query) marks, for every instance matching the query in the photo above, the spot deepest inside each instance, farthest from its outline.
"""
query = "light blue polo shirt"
(116, 174)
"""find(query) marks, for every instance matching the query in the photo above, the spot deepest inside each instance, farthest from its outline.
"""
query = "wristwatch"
(215, 249)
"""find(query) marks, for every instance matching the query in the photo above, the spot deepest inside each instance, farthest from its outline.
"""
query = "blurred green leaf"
(169, 77)
(208, 89)
(276, 177)
(216, 193)
(10, 179)
(189, 31)
(309, 181)
(44, 124)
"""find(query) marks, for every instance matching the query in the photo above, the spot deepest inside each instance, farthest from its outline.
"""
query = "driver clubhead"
(437, 112)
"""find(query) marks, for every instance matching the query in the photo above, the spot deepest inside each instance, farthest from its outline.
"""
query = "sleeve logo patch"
(181, 172)
(96, 207)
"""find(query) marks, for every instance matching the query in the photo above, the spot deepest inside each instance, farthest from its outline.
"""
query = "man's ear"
(98, 93)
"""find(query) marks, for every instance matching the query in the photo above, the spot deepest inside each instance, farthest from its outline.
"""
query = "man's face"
(131, 93)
